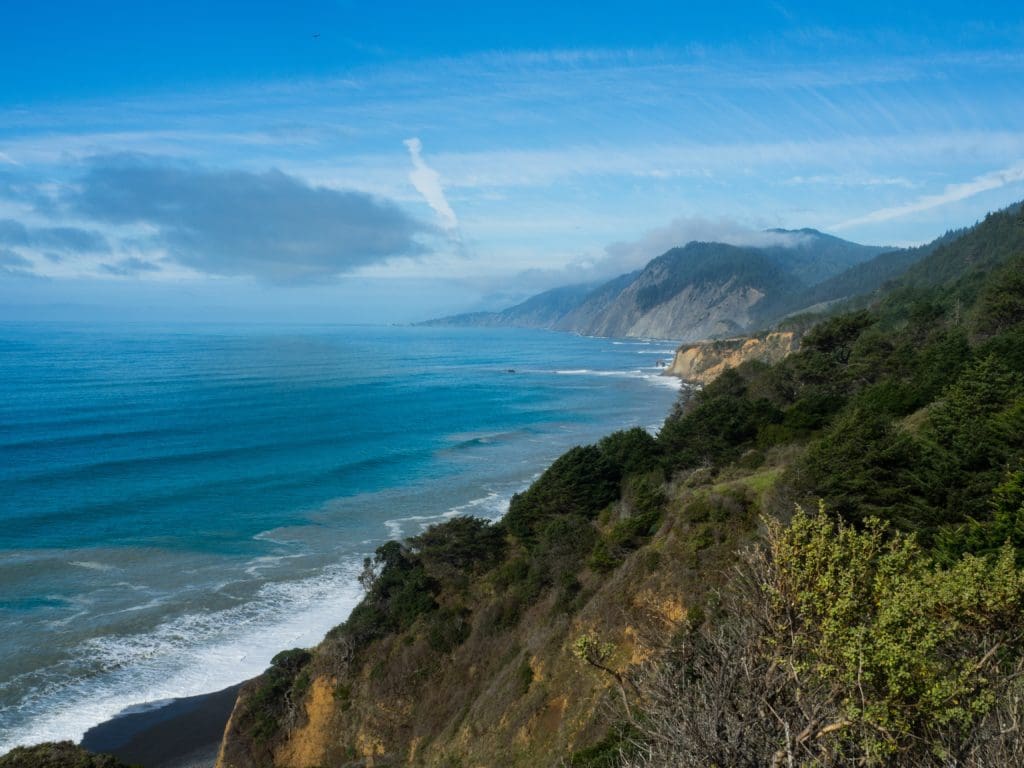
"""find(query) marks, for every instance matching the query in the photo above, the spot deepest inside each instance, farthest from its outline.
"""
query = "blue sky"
(384, 162)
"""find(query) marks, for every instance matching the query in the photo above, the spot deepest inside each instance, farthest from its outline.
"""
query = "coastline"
(180, 733)
(161, 732)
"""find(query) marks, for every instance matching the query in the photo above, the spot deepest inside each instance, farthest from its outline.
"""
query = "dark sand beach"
(181, 733)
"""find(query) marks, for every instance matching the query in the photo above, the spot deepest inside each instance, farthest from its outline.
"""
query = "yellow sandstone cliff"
(704, 361)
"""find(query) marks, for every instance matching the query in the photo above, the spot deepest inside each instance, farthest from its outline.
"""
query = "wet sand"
(180, 733)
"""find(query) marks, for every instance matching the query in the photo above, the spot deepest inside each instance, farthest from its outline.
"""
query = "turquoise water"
(179, 503)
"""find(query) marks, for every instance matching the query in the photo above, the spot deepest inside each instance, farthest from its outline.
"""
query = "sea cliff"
(703, 361)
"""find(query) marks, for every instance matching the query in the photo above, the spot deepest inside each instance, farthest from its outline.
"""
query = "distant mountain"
(541, 311)
(699, 290)
(692, 292)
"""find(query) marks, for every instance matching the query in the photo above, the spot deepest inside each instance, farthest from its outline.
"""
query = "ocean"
(179, 503)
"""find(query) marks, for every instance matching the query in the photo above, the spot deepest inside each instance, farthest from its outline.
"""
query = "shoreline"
(146, 733)
(178, 733)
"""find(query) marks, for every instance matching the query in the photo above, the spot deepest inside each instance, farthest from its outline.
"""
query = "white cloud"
(951, 194)
(624, 256)
(428, 183)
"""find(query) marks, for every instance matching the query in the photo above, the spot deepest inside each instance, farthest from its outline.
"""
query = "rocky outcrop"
(696, 312)
(704, 361)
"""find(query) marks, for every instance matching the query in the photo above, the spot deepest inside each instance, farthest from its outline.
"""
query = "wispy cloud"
(428, 183)
(130, 266)
(12, 263)
(68, 239)
(844, 157)
(623, 256)
(680, 231)
(951, 194)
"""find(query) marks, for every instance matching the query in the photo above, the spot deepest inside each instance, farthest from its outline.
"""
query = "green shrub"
(716, 425)
(564, 543)
(864, 466)
(511, 572)
(602, 557)
(286, 678)
(524, 677)
(60, 754)
(447, 629)
(620, 741)
(398, 593)
(581, 482)
(632, 451)
(459, 547)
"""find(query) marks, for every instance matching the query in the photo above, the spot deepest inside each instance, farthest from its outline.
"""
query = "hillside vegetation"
(657, 602)
(814, 563)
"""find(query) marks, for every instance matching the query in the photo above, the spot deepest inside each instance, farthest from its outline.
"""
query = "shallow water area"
(180, 503)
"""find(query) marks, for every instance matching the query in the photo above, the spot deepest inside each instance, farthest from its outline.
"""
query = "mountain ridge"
(693, 291)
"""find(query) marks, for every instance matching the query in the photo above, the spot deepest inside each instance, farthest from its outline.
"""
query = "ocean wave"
(654, 376)
(189, 655)
(491, 507)
(93, 566)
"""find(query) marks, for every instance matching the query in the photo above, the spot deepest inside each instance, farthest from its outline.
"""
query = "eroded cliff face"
(704, 361)
(512, 692)
(695, 312)
(508, 696)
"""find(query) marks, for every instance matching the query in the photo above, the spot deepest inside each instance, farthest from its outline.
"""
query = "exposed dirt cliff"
(494, 676)
(704, 361)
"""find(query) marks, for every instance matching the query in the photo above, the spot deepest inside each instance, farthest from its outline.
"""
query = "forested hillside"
(814, 563)
(655, 602)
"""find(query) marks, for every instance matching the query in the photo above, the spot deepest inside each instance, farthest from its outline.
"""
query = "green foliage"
(284, 680)
(836, 336)
(711, 507)
(590, 649)
(448, 628)
(1003, 524)
(633, 451)
(398, 592)
(62, 754)
(580, 482)
(919, 365)
(459, 548)
(513, 571)
(1000, 304)
(717, 424)
(524, 677)
(912, 647)
(564, 542)
(978, 427)
(620, 742)
(646, 502)
(973, 254)
(603, 558)
(865, 466)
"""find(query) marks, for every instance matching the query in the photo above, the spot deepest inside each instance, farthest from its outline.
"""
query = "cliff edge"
(703, 361)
